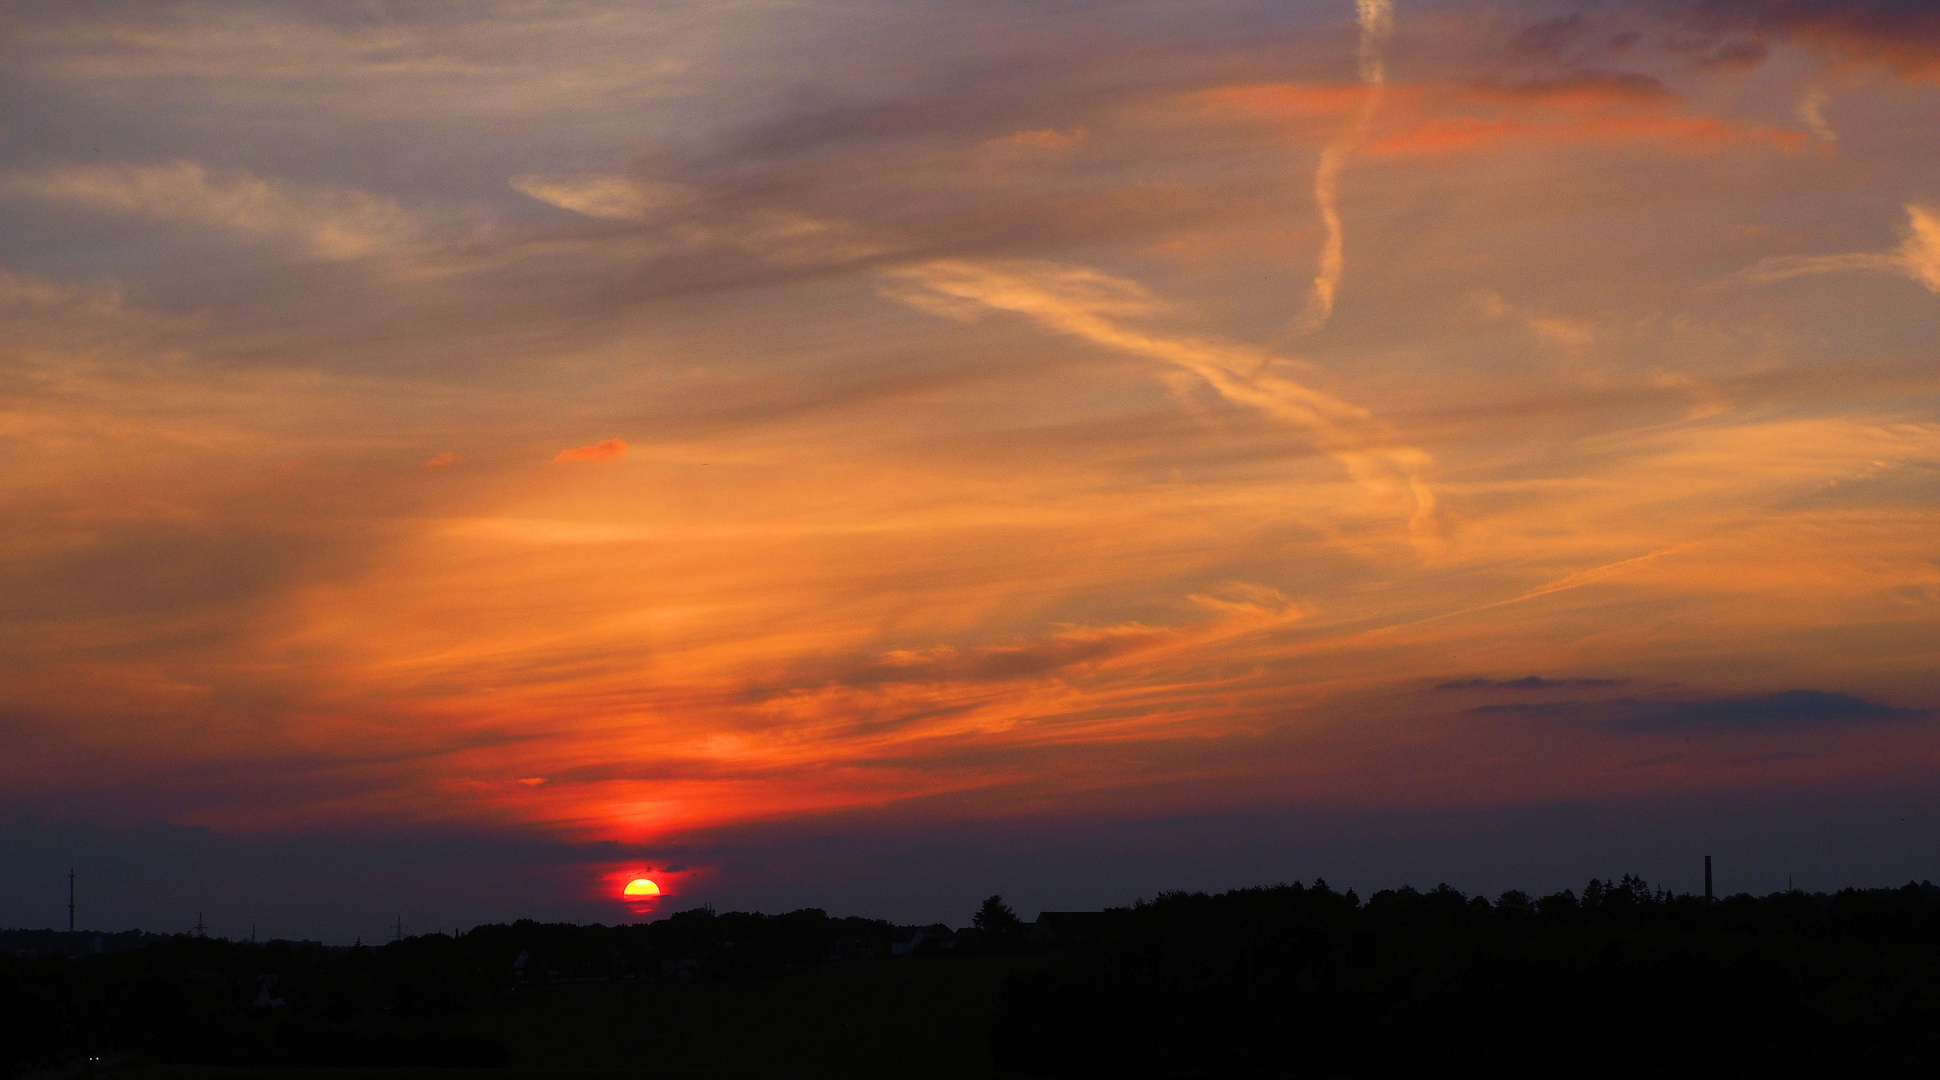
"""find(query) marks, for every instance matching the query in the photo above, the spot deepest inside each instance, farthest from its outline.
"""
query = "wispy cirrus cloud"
(327, 221)
(1918, 257)
(1084, 303)
(603, 195)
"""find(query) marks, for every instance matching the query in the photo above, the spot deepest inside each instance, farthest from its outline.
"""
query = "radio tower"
(70, 900)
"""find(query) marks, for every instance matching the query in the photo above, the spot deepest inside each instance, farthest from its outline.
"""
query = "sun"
(640, 888)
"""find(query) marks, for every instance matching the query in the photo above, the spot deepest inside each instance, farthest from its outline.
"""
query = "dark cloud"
(1529, 682)
(1553, 36)
(1735, 54)
(1530, 708)
(1749, 712)
(1907, 22)
(1753, 712)
(1902, 35)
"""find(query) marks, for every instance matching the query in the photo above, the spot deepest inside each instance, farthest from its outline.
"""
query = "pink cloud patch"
(603, 450)
(439, 461)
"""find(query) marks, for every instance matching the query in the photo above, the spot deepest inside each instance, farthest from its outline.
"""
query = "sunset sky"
(457, 458)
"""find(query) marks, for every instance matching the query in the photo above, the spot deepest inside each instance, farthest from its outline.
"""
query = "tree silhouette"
(998, 921)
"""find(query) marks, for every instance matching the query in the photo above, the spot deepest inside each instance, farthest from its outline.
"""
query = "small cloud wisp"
(1917, 258)
(603, 450)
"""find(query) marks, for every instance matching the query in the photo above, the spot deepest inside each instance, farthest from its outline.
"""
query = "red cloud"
(1424, 119)
(603, 450)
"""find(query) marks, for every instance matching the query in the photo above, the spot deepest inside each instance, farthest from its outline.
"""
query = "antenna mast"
(70, 900)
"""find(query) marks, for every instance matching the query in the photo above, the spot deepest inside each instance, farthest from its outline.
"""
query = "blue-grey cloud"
(1528, 682)
(1901, 35)
(1530, 708)
(1753, 712)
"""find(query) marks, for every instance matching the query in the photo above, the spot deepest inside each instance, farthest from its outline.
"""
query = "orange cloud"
(1046, 139)
(603, 450)
(439, 461)
(1433, 120)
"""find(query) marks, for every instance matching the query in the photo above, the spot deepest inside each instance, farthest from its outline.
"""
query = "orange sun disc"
(642, 887)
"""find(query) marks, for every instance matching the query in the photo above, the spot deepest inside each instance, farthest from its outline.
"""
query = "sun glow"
(641, 888)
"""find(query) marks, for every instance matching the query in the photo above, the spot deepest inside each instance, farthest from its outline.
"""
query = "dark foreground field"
(1290, 981)
(919, 1017)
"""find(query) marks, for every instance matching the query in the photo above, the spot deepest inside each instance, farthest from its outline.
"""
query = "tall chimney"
(1707, 879)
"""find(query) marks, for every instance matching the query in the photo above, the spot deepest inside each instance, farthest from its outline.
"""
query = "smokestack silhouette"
(1707, 879)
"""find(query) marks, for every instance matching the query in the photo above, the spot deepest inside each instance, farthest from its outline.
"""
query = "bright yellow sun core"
(642, 887)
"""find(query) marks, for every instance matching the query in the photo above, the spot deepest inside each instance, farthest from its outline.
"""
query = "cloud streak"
(1376, 21)
(1086, 304)
(328, 222)
(1918, 257)
(603, 450)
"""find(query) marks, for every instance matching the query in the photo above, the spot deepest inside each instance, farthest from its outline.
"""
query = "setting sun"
(641, 887)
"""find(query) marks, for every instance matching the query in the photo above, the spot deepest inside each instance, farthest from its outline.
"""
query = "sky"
(869, 455)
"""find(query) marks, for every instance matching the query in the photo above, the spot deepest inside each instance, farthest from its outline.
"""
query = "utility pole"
(70, 900)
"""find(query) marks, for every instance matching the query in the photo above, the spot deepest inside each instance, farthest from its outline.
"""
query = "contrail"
(1377, 23)
(1085, 303)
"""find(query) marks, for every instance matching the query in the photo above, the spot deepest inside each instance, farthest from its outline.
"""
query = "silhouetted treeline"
(73, 943)
(1289, 981)
(215, 1002)
(1621, 981)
